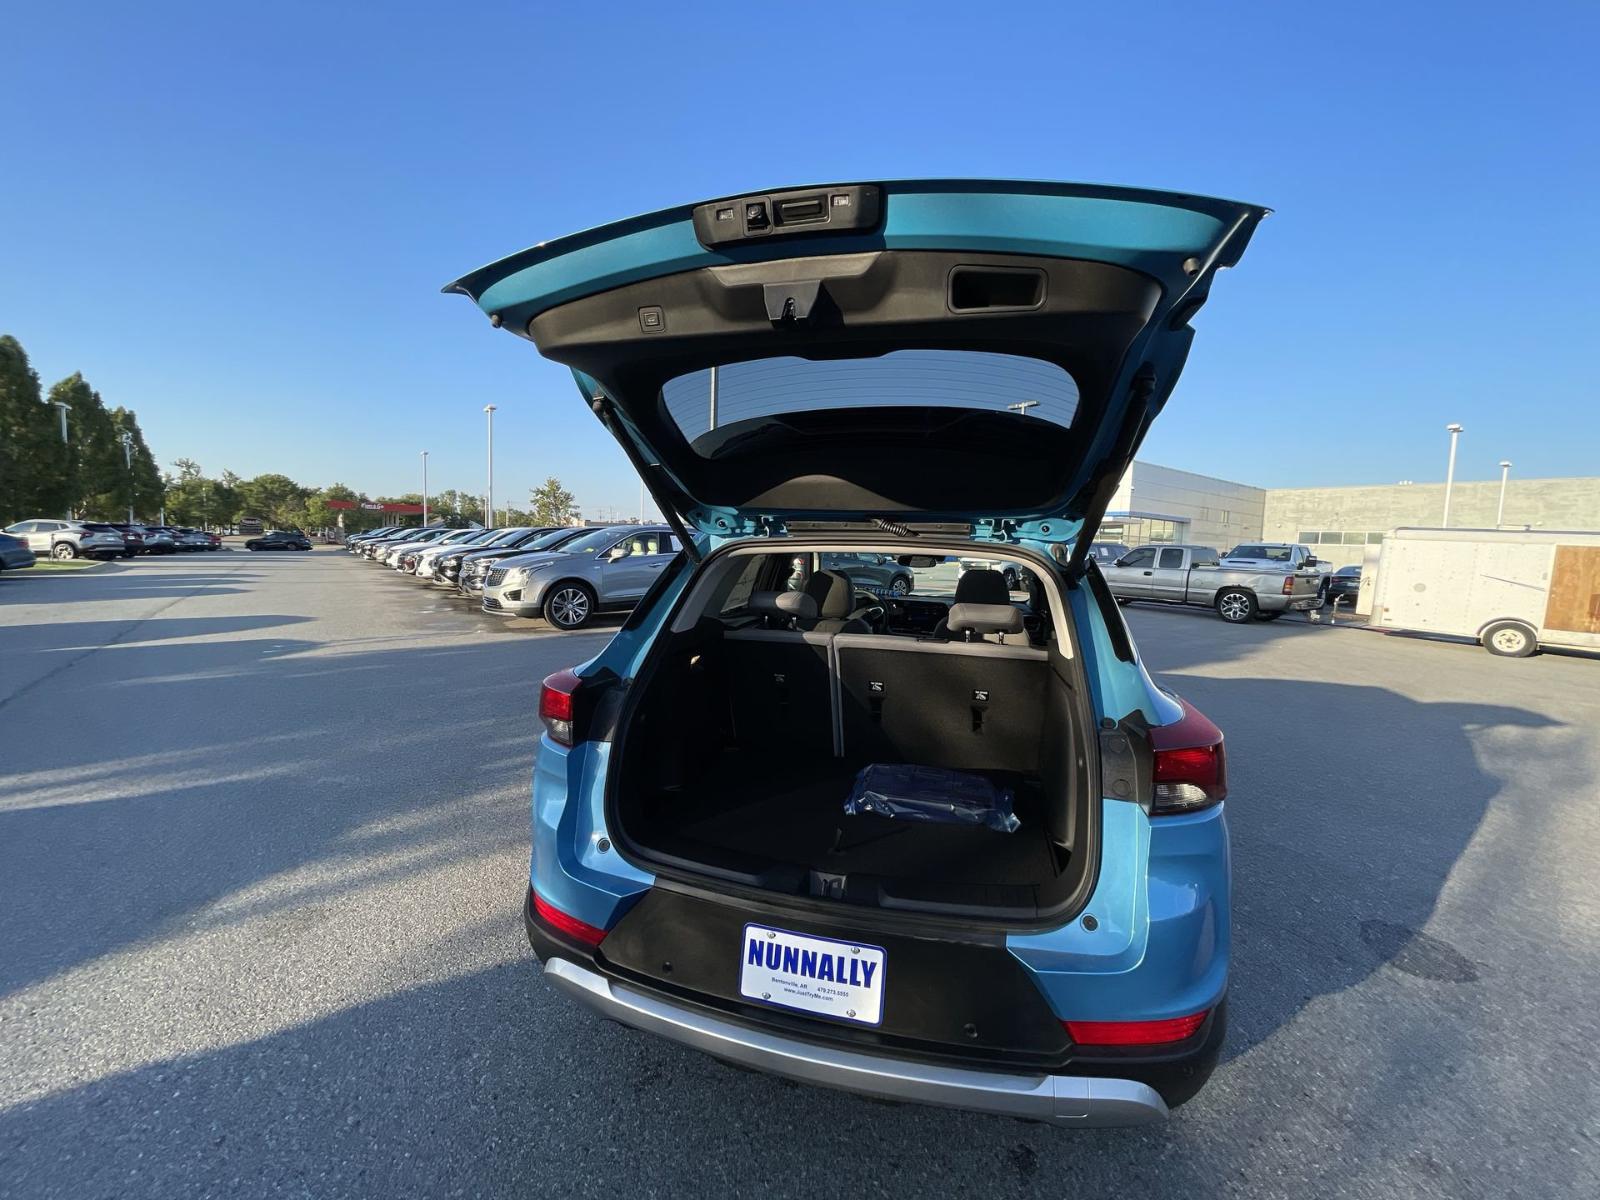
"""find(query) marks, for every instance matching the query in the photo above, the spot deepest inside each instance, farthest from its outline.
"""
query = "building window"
(1354, 539)
(1310, 539)
(1374, 539)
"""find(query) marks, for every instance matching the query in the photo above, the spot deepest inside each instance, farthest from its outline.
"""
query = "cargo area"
(745, 742)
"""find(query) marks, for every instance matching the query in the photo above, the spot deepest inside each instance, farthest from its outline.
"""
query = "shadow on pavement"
(1335, 872)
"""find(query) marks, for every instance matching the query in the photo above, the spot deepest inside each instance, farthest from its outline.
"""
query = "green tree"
(33, 462)
(96, 454)
(552, 504)
(320, 516)
(450, 504)
(276, 499)
(142, 488)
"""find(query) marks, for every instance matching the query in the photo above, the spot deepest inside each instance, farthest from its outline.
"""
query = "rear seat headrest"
(982, 586)
(783, 604)
(984, 618)
(832, 593)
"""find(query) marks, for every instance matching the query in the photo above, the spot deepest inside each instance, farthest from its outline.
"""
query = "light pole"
(63, 406)
(1021, 407)
(488, 496)
(424, 489)
(1500, 513)
(713, 416)
(1450, 473)
(127, 459)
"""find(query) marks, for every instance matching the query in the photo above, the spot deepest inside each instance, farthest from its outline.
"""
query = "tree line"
(91, 473)
(92, 476)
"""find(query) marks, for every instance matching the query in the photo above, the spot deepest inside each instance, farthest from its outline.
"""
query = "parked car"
(873, 860)
(384, 551)
(69, 539)
(1106, 553)
(279, 539)
(1192, 575)
(132, 539)
(607, 569)
(407, 560)
(370, 547)
(1342, 584)
(127, 550)
(475, 565)
(157, 540)
(872, 572)
(15, 553)
(354, 540)
(191, 540)
(431, 563)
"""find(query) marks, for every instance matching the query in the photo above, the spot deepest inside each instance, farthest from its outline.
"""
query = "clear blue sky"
(236, 219)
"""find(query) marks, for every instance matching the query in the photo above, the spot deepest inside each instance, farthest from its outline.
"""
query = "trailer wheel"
(1510, 639)
(1236, 605)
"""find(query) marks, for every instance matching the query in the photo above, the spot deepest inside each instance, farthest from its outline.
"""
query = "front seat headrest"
(984, 618)
(784, 605)
(982, 586)
(832, 592)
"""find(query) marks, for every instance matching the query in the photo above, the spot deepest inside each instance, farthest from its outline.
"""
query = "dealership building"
(1160, 504)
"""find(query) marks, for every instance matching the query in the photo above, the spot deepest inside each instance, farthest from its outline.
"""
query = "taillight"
(1135, 1033)
(1191, 769)
(556, 704)
(578, 931)
(1288, 585)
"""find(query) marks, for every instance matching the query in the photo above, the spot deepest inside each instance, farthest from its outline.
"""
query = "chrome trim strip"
(1070, 1100)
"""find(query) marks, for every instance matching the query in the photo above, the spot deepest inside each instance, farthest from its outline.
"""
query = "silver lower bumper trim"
(1073, 1100)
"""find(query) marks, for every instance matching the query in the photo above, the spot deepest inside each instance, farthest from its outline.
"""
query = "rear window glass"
(1270, 553)
(772, 387)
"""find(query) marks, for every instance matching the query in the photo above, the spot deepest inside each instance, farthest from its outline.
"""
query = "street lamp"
(424, 488)
(127, 459)
(1450, 474)
(1021, 407)
(64, 406)
(488, 496)
(1500, 513)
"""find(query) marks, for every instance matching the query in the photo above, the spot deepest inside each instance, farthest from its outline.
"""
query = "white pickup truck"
(1194, 575)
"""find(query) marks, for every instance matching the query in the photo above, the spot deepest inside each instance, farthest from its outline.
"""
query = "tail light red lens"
(1191, 768)
(578, 931)
(556, 705)
(1135, 1033)
(1288, 585)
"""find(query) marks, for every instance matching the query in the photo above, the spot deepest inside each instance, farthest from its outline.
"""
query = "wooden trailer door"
(1574, 604)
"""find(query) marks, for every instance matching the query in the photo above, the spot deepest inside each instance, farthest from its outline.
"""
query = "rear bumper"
(1071, 1100)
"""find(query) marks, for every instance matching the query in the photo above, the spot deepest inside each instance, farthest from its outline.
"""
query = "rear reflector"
(1190, 766)
(1134, 1033)
(556, 704)
(578, 931)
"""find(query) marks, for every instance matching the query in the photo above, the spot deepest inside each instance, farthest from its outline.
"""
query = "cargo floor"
(781, 825)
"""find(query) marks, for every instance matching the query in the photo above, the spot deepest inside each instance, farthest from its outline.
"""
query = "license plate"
(812, 974)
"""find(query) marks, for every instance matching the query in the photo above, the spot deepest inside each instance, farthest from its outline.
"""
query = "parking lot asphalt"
(263, 837)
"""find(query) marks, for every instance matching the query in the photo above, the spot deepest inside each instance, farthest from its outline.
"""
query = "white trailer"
(1513, 591)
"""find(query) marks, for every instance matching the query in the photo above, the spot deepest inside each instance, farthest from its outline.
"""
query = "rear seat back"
(781, 686)
(966, 705)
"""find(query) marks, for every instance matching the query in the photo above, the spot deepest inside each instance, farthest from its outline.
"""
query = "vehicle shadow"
(209, 766)
(59, 635)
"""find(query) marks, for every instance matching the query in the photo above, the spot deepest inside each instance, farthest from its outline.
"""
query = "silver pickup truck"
(1193, 575)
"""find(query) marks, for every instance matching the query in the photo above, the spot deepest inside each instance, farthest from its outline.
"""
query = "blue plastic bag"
(912, 793)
